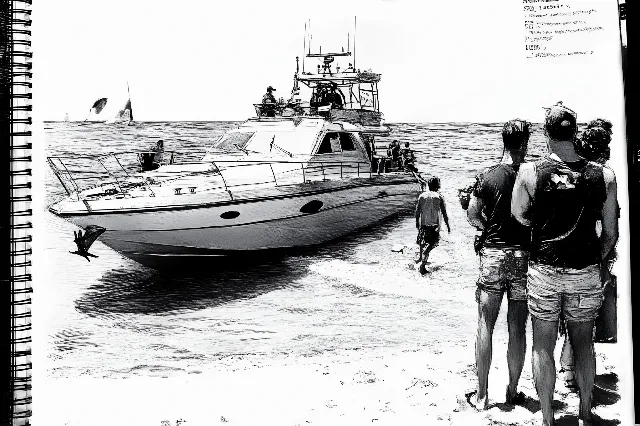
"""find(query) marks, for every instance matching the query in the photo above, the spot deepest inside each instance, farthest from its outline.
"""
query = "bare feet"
(478, 404)
(514, 398)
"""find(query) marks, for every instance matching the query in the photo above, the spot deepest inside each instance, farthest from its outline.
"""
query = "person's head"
(160, 144)
(560, 123)
(601, 123)
(406, 144)
(433, 183)
(270, 89)
(515, 135)
(593, 144)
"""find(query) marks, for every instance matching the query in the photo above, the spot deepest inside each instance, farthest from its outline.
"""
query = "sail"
(99, 105)
(66, 117)
(125, 114)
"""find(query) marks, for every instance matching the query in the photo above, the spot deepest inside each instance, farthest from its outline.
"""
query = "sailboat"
(66, 117)
(125, 115)
(95, 110)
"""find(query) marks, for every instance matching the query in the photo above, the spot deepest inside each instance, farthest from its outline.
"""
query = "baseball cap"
(270, 88)
(560, 122)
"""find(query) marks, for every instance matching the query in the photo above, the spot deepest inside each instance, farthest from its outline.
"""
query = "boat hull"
(297, 219)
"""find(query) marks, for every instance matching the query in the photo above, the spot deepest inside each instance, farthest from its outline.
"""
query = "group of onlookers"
(548, 231)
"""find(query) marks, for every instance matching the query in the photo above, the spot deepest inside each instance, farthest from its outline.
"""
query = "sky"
(200, 60)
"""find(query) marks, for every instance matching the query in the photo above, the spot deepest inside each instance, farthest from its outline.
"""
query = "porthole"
(232, 214)
(312, 206)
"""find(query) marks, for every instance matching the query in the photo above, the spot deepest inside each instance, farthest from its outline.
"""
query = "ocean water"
(114, 318)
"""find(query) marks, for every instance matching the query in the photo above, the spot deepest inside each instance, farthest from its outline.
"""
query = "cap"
(270, 88)
(560, 122)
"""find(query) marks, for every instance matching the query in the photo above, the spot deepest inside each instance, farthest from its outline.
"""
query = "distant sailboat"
(66, 117)
(125, 115)
(95, 110)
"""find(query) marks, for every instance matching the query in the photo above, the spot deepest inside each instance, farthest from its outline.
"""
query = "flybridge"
(338, 93)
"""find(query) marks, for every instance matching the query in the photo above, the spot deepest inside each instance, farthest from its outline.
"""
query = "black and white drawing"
(315, 216)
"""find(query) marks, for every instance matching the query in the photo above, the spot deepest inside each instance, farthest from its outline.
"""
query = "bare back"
(429, 208)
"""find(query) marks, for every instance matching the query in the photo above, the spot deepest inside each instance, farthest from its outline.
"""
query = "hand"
(605, 276)
(448, 229)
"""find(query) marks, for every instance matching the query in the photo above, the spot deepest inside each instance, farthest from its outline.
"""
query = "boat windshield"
(233, 141)
(294, 143)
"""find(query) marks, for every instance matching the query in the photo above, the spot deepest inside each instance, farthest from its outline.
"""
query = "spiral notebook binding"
(17, 13)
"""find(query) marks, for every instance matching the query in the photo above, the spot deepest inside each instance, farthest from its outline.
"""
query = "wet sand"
(423, 385)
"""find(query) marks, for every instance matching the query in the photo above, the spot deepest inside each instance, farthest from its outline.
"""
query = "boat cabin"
(310, 139)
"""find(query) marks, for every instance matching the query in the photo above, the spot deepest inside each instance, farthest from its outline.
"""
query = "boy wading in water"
(428, 210)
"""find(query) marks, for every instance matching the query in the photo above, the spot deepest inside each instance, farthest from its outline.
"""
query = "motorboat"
(298, 174)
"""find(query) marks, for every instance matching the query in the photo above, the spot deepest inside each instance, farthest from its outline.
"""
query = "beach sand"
(405, 388)
(424, 385)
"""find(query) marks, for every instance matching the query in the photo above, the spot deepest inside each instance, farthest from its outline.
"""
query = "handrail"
(310, 169)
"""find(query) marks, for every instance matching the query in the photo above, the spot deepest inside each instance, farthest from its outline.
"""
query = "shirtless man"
(428, 210)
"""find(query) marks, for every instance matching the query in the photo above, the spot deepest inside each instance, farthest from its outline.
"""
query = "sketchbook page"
(232, 321)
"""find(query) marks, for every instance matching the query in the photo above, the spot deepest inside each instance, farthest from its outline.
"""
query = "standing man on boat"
(502, 248)
(562, 197)
(428, 210)
(269, 103)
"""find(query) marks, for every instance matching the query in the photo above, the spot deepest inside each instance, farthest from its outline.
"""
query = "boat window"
(330, 143)
(346, 141)
(231, 141)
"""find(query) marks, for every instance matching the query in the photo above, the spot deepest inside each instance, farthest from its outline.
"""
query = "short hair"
(433, 183)
(515, 133)
(406, 144)
(560, 123)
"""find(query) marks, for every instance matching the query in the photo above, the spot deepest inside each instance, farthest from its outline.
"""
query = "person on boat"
(323, 96)
(269, 103)
(158, 152)
(408, 158)
(562, 197)
(335, 97)
(393, 154)
(429, 208)
(592, 145)
(502, 249)
(152, 159)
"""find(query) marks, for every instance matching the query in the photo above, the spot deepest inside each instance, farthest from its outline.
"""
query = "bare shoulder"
(609, 176)
(526, 168)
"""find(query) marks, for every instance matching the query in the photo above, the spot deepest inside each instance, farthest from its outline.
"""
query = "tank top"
(567, 204)
(495, 186)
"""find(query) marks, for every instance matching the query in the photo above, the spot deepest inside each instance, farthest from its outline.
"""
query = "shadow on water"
(145, 291)
(214, 282)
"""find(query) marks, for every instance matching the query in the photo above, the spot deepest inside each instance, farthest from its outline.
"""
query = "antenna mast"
(310, 36)
(355, 31)
(304, 48)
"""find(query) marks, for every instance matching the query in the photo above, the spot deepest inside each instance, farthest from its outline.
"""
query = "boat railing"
(110, 175)
(80, 172)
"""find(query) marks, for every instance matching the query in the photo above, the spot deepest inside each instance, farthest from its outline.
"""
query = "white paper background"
(201, 60)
